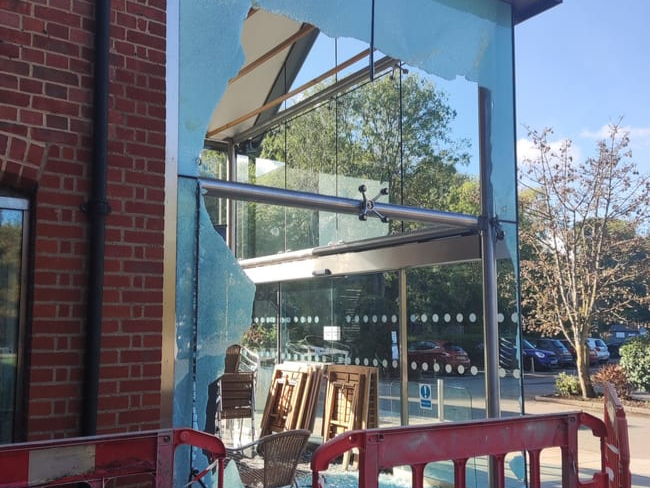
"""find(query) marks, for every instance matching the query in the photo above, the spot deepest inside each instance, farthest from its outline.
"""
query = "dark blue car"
(538, 359)
(534, 359)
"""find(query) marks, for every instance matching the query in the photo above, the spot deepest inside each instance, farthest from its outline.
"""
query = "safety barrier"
(416, 446)
(93, 460)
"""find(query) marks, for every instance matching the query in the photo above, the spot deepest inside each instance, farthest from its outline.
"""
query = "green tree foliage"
(394, 131)
(583, 252)
(635, 360)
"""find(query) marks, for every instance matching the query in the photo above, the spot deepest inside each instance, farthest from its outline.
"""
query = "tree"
(583, 256)
(394, 132)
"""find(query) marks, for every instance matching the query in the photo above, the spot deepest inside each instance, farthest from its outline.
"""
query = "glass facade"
(414, 134)
(425, 131)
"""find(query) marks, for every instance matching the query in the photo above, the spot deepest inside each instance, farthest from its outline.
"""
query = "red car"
(448, 356)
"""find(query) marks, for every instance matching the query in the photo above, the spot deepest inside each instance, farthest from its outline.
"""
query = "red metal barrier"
(616, 449)
(96, 459)
(416, 446)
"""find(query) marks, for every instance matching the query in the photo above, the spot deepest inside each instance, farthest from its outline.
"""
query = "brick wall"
(46, 83)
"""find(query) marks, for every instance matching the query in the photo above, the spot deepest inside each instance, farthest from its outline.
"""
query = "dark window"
(13, 220)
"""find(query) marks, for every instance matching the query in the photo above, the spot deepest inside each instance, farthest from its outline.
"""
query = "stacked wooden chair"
(236, 390)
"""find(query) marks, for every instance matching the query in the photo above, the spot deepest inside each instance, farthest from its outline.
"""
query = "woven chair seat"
(273, 459)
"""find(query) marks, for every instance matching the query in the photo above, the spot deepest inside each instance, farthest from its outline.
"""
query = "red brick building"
(54, 113)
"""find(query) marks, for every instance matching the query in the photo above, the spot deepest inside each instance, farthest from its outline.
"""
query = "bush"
(259, 337)
(635, 360)
(567, 385)
(614, 374)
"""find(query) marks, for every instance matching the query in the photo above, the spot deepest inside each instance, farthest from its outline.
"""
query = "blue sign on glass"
(425, 396)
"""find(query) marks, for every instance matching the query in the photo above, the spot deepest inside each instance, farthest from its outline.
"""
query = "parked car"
(445, 353)
(593, 355)
(600, 347)
(614, 346)
(538, 358)
(564, 356)
(533, 357)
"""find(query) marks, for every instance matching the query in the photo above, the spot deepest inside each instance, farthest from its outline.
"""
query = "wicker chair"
(276, 461)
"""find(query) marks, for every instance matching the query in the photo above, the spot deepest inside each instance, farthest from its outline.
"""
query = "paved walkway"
(589, 454)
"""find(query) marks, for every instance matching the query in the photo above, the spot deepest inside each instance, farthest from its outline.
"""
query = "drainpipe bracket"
(96, 207)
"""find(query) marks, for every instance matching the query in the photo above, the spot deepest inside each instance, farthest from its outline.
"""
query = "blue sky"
(579, 66)
(583, 65)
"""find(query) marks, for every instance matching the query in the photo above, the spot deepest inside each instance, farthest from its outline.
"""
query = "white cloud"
(639, 136)
(639, 143)
(526, 150)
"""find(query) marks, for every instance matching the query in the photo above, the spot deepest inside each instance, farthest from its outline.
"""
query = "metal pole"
(403, 351)
(293, 198)
(441, 399)
(488, 243)
(230, 205)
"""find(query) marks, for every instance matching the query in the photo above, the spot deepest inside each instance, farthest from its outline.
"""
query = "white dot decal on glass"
(425, 366)
(384, 363)
(309, 319)
(393, 319)
(435, 317)
(474, 370)
(459, 318)
(316, 319)
(295, 320)
(302, 320)
(516, 374)
(365, 319)
(348, 360)
(356, 319)
(448, 368)
(472, 317)
(424, 317)
(500, 317)
(447, 318)
(461, 369)
(384, 319)
(366, 362)
(395, 363)
(436, 367)
(413, 317)
(348, 319)
(502, 373)
(414, 365)
(375, 362)
(374, 319)
(515, 317)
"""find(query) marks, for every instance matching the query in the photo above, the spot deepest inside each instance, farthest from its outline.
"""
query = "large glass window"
(397, 133)
(12, 238)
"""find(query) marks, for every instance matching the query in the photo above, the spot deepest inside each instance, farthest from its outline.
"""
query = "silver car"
(600, 347)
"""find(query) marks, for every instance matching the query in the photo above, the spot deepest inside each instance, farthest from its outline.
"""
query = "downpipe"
(97, 208)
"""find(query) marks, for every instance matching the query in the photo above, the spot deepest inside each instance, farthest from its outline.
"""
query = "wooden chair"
(236, 390)
(273, 461)
(232, 359)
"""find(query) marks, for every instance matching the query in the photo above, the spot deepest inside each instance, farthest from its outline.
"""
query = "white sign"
(331, 333)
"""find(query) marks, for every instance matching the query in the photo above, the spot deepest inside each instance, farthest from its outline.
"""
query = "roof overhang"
(525, 9)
